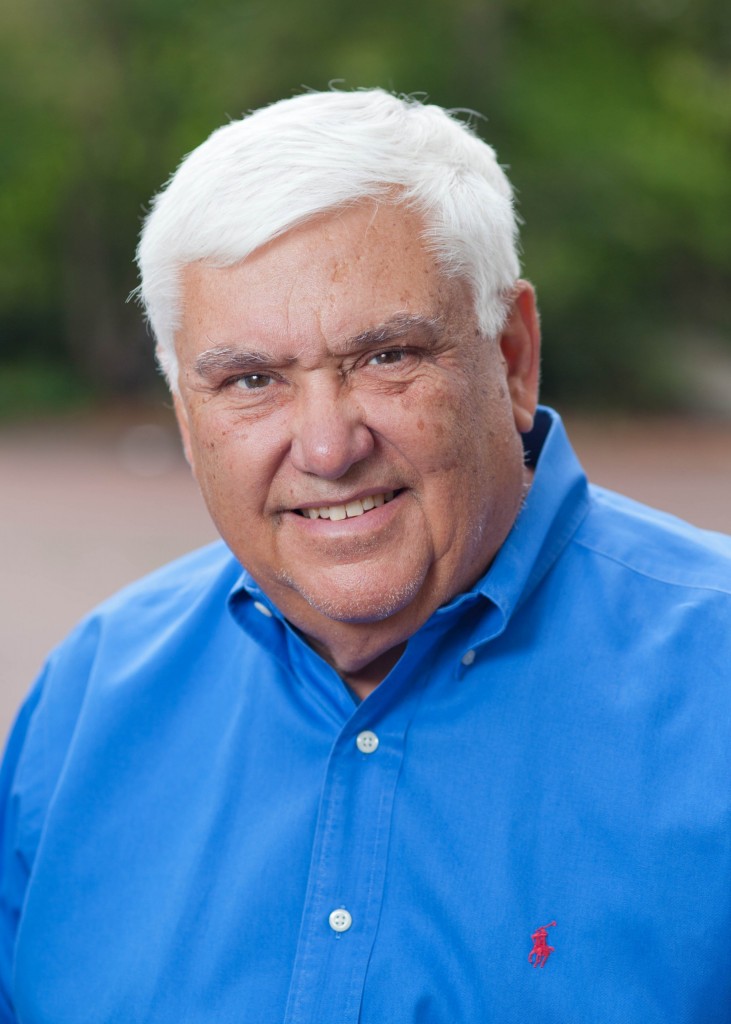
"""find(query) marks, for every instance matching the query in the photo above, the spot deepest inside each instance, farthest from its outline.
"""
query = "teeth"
(350, 510)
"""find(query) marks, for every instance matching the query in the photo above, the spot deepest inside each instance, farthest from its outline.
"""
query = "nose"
(329, 433)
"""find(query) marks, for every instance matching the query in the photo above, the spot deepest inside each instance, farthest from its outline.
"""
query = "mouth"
(351, 509)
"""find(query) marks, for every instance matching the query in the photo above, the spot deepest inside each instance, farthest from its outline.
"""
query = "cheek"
(478, 452)
(424, 424)
(222, 462)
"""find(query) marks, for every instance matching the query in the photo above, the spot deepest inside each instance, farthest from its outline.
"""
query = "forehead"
(331, 277)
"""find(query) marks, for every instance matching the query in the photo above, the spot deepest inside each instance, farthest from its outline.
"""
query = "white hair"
(256, 178)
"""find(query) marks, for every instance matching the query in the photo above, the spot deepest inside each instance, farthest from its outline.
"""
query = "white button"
(263, 609)
(468, 657)
(340, 920)
(367, 742)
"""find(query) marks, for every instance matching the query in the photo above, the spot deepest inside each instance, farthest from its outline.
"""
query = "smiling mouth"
(351, 509)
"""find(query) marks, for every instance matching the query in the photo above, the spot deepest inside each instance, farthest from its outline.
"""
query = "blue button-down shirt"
(528, 820)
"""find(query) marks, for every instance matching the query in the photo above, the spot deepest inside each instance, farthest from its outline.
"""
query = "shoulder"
(130, 649)
(182, 598)
(653, 545)
(132, 629)
(133, 622)
(191, 576)
(189, 586)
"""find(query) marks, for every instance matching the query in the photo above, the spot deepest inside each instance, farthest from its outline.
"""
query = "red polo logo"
(541, 950)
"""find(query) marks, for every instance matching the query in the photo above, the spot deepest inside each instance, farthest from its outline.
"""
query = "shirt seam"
(656, 577)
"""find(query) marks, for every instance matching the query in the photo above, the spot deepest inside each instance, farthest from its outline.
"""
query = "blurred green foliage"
(614, 119)
(37, 387)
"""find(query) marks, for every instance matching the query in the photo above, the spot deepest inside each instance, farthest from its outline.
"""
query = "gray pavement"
(89, 504)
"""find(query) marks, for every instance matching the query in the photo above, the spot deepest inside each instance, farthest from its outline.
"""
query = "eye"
(387, 358)
(253, 381)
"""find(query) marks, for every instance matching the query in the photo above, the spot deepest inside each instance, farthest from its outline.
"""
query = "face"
(354, 436)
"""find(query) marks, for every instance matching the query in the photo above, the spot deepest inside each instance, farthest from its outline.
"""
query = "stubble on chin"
(353, 604)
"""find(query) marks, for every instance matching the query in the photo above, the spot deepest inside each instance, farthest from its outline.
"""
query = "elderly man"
(440, 733)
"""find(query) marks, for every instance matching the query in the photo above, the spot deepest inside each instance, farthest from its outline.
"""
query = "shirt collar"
(557, 502)
(554, 507)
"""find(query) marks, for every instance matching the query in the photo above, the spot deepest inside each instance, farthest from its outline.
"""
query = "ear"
(520, 346)
(181, 415)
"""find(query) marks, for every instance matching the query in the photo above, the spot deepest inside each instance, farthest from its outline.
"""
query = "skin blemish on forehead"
(339, 272)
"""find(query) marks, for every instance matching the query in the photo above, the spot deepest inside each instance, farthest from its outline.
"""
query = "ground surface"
(89, 504)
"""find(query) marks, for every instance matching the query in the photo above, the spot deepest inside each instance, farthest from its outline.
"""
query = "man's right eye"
(253, 381)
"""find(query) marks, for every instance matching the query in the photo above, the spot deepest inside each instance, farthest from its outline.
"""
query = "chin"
(353, 604)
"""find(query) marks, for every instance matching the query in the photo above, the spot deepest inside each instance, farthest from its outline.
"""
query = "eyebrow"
(229, 359)
(391, 330)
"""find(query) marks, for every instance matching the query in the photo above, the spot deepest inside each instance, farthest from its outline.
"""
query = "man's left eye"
(253, 381)
(392, 355)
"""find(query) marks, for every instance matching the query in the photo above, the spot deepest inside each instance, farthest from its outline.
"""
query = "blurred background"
(614, 123)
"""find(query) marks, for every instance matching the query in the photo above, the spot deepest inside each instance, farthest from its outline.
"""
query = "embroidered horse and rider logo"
(541, 950)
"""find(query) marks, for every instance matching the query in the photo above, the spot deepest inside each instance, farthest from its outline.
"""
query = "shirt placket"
(348, 867)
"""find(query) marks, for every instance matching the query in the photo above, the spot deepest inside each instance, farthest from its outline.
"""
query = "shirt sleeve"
(14, 869)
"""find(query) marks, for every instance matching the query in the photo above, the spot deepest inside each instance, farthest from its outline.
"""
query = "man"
(453, 745)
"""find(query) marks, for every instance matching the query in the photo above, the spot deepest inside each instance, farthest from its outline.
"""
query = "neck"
(364, 681)
(362, 653)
